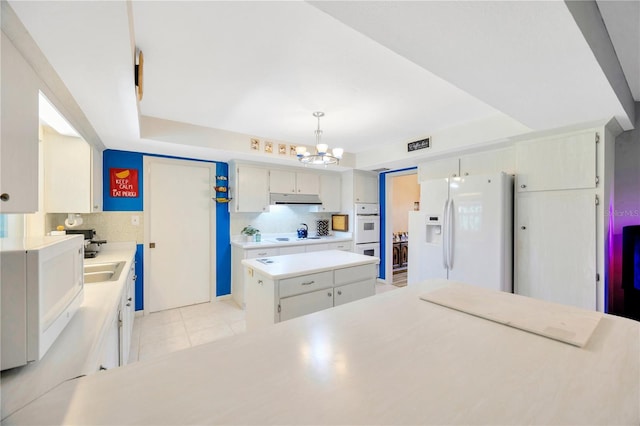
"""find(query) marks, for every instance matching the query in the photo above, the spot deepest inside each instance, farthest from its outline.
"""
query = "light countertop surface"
(388, 359)
(270, 240)
(291, 265)
(75, 352)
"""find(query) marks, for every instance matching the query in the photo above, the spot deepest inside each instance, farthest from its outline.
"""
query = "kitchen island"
(389, 359)
(284, 287)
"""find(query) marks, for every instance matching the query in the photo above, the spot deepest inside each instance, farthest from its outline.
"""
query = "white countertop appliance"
(42, 288)
(463, 231)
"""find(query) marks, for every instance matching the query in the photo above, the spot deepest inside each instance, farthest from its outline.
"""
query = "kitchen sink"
(100, 272)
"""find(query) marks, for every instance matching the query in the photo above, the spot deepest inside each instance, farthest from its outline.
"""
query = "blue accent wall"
(134, 160)
(121, 160)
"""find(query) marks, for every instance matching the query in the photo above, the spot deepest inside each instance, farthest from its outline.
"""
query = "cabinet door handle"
(128, 304)
(4, 196)
(339, 293)
(308, 283)
(260, 282)
(129, 299)
(262, 254)
(329, 294)
(102, 368)
(523, 227)
(523, 186)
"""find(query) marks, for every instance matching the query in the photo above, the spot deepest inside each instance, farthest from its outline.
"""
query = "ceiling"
(383, 72)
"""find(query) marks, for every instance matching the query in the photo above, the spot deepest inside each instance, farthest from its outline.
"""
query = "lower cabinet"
(238, 253)
(116, 343)
(110, 354)
(270, 301)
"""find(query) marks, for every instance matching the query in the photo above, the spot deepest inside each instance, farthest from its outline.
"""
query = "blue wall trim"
(139, 277)
(382, 196)
(134, 160)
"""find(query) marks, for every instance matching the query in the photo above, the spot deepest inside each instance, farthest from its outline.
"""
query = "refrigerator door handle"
(445, 215)
(450, 234)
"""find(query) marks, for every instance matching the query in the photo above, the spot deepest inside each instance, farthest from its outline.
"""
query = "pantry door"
(179, 242)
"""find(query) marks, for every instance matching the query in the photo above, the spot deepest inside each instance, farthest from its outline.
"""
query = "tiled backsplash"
(279, 220)
(110, 226)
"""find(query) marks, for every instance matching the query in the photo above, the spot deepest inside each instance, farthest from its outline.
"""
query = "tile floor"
(163, 332)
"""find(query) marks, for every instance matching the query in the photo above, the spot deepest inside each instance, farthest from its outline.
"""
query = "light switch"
(135, 220)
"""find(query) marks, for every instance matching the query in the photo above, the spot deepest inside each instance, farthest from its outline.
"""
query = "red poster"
(124, 183)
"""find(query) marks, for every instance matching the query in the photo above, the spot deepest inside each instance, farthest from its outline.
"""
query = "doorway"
(402, 196)
(179, 235)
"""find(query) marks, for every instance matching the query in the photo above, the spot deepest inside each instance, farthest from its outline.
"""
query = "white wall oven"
(367, 224)
(366, 234)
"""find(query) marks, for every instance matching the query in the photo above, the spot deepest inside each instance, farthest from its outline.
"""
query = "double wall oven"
(366, 234)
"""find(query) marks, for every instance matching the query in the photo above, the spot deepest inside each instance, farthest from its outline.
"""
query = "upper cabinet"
(72, 175)
(251, 189)
(289, 182)
(567, 162)
(365, 187)
(330, 192)
(481, 163)
(439, 169)
(19, 134)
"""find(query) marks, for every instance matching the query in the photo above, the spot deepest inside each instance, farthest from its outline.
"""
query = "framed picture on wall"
(255, 144)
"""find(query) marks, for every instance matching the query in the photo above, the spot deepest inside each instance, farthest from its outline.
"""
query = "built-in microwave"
(41, 289)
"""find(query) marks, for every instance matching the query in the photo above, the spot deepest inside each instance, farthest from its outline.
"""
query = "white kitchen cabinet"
(289, 182)
(317, 247)
(343, 245)
(19, 133)
(303, 304)
(330, 192)
(365, 187)
(482, 163)
(565, 162)
(439, 169)
(110, 348)
(272, 300)
(251, 186)
(127, 309)
(555, 260)
(73, 174)
(352, 292)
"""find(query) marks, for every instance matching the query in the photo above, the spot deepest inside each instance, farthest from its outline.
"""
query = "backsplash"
(279, 220)
(110, 226)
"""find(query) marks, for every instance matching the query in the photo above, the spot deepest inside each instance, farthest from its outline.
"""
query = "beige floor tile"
(210, 334)
(159, 318)
(162, 347)
(230, 316)
(204, 320)
(162, 332)
(239, 327)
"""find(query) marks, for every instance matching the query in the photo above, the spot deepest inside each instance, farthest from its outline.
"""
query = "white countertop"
(291, 265)
(387, 359)
(75, 351)
(270, 240)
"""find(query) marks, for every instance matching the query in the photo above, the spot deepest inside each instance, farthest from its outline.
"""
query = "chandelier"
(322, 156)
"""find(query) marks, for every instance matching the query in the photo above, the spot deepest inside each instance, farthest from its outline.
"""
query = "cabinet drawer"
(265, 252)
(353, 274)
(344, 245)
(303, 304)
(306, 283)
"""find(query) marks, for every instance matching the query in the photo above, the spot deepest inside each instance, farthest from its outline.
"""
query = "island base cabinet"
(352, 292)
(303, 304)
(260, 300)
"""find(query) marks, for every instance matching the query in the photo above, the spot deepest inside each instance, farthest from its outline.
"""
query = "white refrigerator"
(464, 231)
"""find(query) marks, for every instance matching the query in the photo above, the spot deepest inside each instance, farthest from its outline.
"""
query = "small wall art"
(292, 150)
(255, 144)
(268, 147)
(282, 149)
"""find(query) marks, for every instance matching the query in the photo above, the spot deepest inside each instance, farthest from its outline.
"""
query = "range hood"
(300, 199)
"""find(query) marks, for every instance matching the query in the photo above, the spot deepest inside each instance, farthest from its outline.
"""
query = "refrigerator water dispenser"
(434, 230)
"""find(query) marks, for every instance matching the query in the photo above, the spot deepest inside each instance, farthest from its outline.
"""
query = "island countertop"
(388, 359)
(291, 265)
